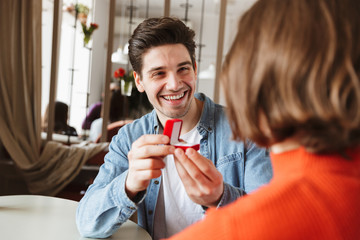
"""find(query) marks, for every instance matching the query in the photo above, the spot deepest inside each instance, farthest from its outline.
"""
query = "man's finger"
(189, 169)
(203, 164)
(148, 164)
(150, 139)
(150, 151)
(148, 174)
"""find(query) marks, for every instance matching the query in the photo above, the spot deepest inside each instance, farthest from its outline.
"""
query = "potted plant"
(125, 81)
(81, 13)
(88, 32)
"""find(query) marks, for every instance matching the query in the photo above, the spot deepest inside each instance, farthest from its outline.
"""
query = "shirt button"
(156, 182)
(150, 212)
(132, 208)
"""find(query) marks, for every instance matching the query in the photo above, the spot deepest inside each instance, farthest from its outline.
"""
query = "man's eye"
(157, 74)
(184, 69)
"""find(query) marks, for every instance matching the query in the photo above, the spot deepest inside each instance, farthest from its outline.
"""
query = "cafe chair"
(113, 128)
(76, 189)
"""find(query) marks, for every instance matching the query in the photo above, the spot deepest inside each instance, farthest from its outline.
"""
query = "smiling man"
(170, 189)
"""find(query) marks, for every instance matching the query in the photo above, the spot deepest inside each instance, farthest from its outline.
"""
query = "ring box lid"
(172, 129)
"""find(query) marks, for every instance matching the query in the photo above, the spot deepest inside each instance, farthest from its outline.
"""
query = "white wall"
(97, 66)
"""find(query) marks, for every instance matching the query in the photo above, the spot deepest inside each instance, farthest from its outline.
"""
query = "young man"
(140, 172)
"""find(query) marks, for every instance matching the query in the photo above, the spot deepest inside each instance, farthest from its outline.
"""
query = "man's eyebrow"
(185, 63)
(161, 67)
(155, 69)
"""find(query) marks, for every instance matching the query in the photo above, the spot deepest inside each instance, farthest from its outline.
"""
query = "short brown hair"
(154, 32)
(298, 63)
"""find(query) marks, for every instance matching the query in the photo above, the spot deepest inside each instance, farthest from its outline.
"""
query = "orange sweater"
(310, 197)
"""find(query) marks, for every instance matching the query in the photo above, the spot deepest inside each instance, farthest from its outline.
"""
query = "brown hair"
(297, 62)
(116, 106)
(153, 32)
(60, 119)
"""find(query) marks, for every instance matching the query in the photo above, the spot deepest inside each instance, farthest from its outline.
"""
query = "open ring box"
(172, 129)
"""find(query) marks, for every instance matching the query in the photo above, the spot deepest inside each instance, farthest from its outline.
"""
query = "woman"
(60, 121)
(115, 114)
(294, 67)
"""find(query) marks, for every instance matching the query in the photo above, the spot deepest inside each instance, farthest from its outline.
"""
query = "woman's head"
(296, 64)
(60, 119)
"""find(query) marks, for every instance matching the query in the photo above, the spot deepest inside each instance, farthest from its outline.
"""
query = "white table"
(25, 217)
(62, 138)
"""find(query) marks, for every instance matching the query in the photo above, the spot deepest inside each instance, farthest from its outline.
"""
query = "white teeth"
(174, 97)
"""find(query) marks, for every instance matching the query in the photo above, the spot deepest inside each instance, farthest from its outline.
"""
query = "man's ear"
(195, 70)
(138, 82)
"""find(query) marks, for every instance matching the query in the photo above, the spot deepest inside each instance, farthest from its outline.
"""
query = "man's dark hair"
(154, 32)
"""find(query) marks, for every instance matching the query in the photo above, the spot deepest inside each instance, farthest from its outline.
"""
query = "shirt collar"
(207, 119)
(206, 122)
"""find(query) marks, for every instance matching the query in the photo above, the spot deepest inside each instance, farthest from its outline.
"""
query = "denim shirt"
(106, 206)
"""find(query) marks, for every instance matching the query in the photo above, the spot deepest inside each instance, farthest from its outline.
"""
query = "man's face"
(168, 79)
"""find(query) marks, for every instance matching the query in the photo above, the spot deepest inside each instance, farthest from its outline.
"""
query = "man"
(140, 171)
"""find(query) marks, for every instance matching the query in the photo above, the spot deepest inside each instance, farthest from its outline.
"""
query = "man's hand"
(202, 181)
(146, 161)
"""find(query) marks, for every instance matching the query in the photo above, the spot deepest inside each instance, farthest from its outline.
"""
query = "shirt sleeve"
(230, 194)
(105, 205)
(257, 172)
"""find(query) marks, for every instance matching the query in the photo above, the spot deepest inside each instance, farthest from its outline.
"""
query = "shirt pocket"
(232, 169)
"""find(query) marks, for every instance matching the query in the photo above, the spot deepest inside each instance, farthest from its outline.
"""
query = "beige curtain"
(46, 171)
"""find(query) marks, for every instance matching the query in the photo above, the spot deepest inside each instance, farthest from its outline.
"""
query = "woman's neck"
(284, 146)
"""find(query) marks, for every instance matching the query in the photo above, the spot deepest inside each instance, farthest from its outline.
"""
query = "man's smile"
(174, 97)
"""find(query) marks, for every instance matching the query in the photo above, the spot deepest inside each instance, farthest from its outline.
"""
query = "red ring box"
(172, 129)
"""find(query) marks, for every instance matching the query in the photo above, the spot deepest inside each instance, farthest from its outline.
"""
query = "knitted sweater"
(310, 197)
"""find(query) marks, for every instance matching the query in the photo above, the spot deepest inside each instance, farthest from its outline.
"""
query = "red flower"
(94, 25)
(119, 73)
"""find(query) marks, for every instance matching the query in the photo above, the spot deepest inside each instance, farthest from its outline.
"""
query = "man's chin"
(177, 114)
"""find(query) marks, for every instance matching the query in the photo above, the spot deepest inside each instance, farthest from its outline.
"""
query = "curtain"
(48, 167)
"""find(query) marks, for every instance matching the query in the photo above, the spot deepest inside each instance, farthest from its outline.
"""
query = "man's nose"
(174, 82)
